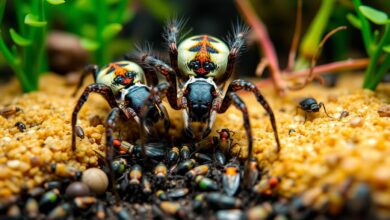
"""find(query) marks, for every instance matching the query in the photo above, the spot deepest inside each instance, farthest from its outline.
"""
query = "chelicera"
(199, 68)
(309, 105)
(123, 86)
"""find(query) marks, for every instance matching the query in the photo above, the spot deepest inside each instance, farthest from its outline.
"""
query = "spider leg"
(161, 92)
(305, 117)
(236, 41)
(239, 84)
(323, 105)
(232, 98)
(172, 31)
(103, 90)
(186, 118)
(90, 69)
(211, 119)
(149, 61)
(110, 124)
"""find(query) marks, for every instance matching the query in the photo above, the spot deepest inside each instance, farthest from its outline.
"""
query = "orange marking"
(231, 171)
(203, 55)
(118, 70)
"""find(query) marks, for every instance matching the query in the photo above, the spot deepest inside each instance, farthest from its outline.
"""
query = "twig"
(264, 40)
(295, 41)
(314, 59)
(329, 68)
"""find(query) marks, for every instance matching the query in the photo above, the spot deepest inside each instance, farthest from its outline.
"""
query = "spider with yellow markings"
(199, 68)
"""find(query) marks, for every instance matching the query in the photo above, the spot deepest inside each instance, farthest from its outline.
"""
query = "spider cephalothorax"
(202, 64)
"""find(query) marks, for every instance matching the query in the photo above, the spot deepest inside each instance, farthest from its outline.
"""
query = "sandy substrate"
(322, 151)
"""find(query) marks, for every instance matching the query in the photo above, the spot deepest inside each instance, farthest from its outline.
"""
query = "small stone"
(384, 111)
(76, 189)
(96, 179)
(356, 122)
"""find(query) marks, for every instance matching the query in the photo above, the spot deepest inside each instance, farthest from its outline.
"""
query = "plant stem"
(366, 29)
(333, 67)
(316, 29)
(2, 9)
(384, 67)
(101, 7)
(264, 40)
(370, 71)
(16, 66)
(121, 10)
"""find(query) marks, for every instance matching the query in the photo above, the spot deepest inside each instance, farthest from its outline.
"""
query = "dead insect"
(230, 214)
(79, 132)
(49, 200)
(219, 157)
(135, 175)
(196, 171)
(185, 166)
(100, 212)
(60, 212)
(177, 193)
(231, 179)
(225, 139)
(84, 202)
(146, 186)
(119, 166)
(185, 153)
(21, 126)
(172, 208)
(252, 174)
(32, 208)
(160, 172)
(150, 150)
(161, 194)
(206, 184)
(67, 171)
(202, 64)
(121, 213)
(291, 131)
(309, 105)
(204, 158)
(172, 156)
(221, 201)
(8, 111)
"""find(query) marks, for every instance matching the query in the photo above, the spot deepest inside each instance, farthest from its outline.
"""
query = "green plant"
(377, 44)
(26, 56)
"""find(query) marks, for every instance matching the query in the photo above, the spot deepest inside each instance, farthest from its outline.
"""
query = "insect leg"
(323, 105)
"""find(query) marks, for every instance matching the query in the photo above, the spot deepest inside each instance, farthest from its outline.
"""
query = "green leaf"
(386, 48)
(18, 39)
(89, 44)
(56, 2)
(32, 20)
(374, 15)
(354, 21)
(111, 30)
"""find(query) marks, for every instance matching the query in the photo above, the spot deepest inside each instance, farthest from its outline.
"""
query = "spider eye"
(209, 66)
(195, 64)
(118, 80)
(129, 74)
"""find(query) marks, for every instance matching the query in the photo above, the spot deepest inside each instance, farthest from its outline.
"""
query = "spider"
(201, 65)
(122, 84)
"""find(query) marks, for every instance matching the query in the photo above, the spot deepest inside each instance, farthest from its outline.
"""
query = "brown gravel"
(321, 151)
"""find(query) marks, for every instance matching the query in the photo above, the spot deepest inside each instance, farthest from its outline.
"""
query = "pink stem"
(330, 68)
(264, 40)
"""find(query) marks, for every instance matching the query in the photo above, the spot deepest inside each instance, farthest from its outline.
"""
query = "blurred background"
(73, 29)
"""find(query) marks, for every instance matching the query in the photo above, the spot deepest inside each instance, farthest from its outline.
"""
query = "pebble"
(96, 180)
(384, 111)
(77, 189)
(356, 122)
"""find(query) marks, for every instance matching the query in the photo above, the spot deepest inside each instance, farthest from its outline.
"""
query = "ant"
(309, 105)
